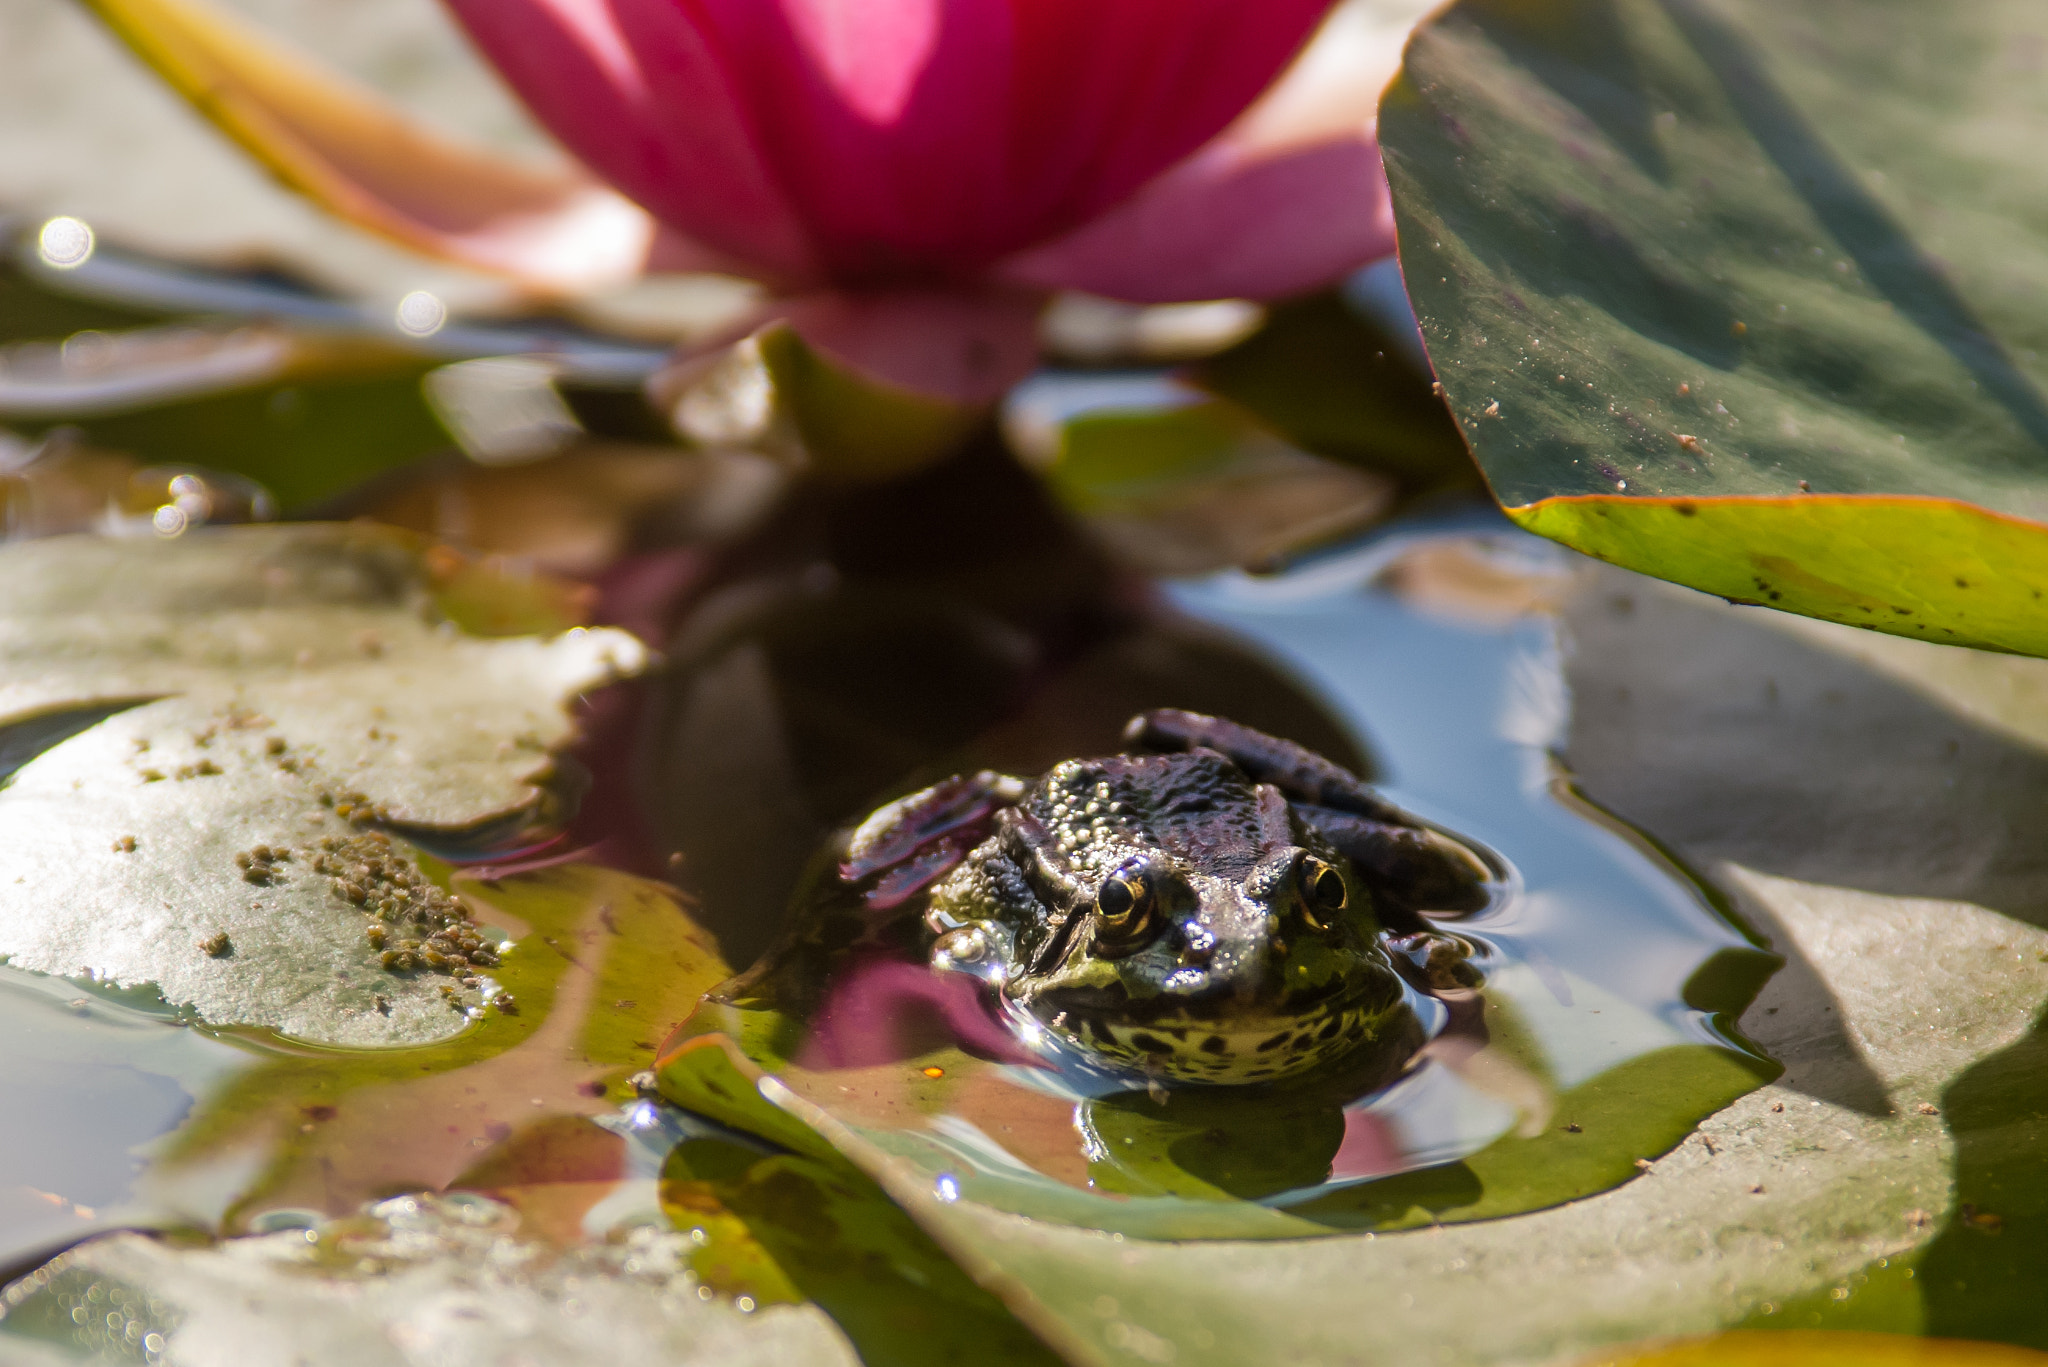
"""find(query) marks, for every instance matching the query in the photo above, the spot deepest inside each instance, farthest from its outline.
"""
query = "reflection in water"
(93, 1085)
(1598, 1038)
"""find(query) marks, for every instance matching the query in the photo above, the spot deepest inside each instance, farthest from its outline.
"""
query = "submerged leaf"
(838, 1237)
(1341, 385)
(211, 841)
(1746, 295)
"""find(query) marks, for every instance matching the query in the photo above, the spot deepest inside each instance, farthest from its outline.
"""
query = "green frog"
(1212, 905)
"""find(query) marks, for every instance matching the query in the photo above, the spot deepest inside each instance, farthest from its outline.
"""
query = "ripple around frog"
(1601, 1035)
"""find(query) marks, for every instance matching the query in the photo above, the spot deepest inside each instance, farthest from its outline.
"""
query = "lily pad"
(1749, 296)
(223, 840)
(446, 1276)
(601, 965)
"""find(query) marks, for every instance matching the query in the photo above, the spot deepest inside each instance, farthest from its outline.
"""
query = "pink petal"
(884, 139)
(1289, 198)
(923, 135)
(358, 156)
(635, 92)
(1220, 227)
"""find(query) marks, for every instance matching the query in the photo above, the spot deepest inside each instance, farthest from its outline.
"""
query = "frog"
(1210, 905)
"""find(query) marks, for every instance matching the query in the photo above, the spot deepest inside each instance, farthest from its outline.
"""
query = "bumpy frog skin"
(1212, 905)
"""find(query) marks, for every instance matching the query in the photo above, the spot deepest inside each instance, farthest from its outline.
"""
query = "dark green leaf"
(1746, 295)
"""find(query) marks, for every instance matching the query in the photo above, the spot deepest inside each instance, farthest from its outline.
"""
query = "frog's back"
(1196, 807)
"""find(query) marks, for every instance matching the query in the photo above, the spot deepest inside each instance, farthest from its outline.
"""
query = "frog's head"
(1166, 915)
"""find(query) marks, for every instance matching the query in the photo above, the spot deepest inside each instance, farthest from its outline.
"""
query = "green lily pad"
(831, 1230)
(1747, 296)
(211, 841)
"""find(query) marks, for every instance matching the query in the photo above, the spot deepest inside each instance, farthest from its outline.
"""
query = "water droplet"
(946, 1187)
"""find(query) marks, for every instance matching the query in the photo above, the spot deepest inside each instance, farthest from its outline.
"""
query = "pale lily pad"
(418, 1279)
(210, 842)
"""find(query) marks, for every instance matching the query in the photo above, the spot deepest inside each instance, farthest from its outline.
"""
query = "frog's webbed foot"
(1301, 775)
(916, 840)
(1410, 869)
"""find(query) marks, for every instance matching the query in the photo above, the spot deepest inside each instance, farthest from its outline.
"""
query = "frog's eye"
(1124, 912)
(1322, 892)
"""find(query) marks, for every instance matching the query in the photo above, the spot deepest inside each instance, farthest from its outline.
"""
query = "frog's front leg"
(1300, 774)
(914, 841)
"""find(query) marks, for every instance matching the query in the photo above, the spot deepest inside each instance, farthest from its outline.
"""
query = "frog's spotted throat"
(1213, 905)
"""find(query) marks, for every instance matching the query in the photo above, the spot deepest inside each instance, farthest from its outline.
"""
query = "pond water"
(1600, 1036)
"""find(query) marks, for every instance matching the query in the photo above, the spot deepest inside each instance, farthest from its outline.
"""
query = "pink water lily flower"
(948, 162)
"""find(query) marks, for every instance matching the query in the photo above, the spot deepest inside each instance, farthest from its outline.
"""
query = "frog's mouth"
(1236, 1049)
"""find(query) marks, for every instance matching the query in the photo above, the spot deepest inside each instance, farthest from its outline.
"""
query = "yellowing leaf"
(1802, 1348)
(1939, 569)
(349, 151)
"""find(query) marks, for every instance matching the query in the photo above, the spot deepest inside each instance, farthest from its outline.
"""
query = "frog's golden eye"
(1322, 892)
(1124, 907)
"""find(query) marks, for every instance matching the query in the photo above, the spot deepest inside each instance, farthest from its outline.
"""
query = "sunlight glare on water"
(65, 243)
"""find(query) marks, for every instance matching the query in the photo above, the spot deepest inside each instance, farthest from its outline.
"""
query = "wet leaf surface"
(212, 842)
(602, 965)
(448, 1277)
(1745, 295)
(842, 1243)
